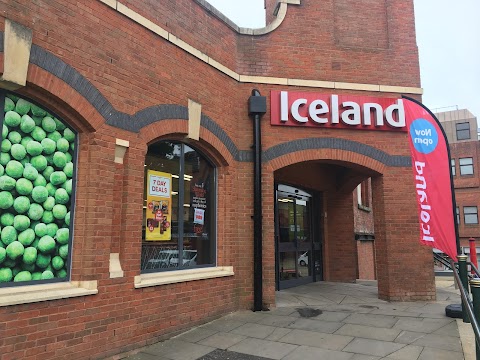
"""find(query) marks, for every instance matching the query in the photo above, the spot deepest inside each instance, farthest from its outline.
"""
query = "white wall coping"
(177, 276)
(43, 292)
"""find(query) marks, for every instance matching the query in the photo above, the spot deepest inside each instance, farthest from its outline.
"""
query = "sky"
(448, 39)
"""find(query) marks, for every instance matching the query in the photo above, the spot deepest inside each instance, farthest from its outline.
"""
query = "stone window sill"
(172, 277)
(364, 208)
(44, 292)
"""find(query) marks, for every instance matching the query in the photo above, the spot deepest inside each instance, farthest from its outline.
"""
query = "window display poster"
(159, 206)
(199, 204)
(199, 216)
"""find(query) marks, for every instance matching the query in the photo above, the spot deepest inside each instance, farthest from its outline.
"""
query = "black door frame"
(315, 247)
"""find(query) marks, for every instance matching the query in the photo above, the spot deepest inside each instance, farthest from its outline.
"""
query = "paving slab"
(283, 300)
(247, 316)
(223, 324)
(395, 312)
(254, 330)
(409, 352)
(368, 332)
(432, 315)
(335, 316)
(313, 353)
(145, 356)
(372, 347)
(277, 334)
(408, 337)
(328, 327)
(349, 299)
(285, 311)
(382, 321)
(364, 357)
(449, 330)
(222, 340)
(229, 355)
(312, 301)
(316, 339)
(434, 308)
(195, 335)
(444, 342)
(276, 320)
(178, 350)
(421, 325)
(264, 348)
(353, 308)
(439, 354)
(336, 298)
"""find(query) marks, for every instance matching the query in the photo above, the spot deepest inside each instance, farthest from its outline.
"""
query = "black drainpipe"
(257, 106)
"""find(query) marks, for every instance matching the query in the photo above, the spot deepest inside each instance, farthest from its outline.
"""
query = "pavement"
(328, 321)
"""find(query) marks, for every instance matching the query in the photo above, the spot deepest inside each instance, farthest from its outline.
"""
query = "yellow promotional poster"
(159, 206)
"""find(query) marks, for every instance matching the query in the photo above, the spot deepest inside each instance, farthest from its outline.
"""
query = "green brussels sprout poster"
(36, 178)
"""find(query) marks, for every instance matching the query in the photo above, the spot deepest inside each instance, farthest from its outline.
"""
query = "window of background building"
(458, 215)
(179, 198)
(470, 214)
(38, 170)
(452, 163)
(466, 166)
(463, 131)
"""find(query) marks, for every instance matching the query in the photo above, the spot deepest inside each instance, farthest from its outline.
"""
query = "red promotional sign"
(431, 171)
(308, 109)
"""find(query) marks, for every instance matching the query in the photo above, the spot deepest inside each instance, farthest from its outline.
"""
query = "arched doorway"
(315, 213)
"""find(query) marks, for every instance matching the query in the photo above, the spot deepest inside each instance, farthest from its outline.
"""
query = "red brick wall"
(340, 249)
(135, 69)
(404, 268)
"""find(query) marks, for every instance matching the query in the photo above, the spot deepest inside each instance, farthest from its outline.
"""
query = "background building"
(461, 129)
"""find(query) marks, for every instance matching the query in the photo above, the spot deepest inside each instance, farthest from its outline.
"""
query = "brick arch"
(177, 129)
(344, 150)
(326, 154)
(52, 93)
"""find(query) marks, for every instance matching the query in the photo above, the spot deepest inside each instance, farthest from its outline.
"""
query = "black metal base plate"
(454, 311)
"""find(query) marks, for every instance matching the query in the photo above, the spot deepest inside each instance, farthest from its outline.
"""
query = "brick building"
(461, 129)
(128, 216)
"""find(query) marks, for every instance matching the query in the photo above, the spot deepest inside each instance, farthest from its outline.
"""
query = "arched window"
(179, 209)
(37, 181)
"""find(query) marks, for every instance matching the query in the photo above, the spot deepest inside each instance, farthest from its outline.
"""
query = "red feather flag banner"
(433, 181)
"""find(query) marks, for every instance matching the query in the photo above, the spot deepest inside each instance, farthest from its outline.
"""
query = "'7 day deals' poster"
(159, 206)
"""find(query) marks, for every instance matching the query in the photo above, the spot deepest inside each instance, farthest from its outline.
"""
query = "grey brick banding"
(335, 143)
(145, 117)
(134, 123)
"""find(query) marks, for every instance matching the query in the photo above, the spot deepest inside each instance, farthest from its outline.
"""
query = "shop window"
(466, 166)
(463, 131)
(452, 163)
(470, 214)
(363, 195)
(179, 209)
(37, 180)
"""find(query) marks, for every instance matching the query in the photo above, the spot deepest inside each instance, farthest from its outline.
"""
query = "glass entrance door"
(294, 237)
